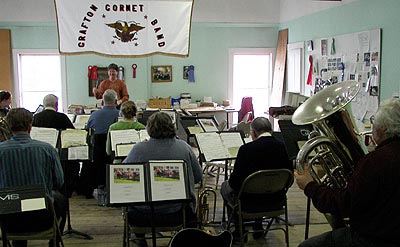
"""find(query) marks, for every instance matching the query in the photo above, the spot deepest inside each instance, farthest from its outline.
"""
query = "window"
(251, 75)
(38, 73)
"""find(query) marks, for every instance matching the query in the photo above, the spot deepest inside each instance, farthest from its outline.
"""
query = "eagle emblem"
(125, 31)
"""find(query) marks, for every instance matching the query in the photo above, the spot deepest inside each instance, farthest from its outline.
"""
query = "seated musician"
(51, 118)
(24, 161)
(128, 111)
(163, 145)
(263, 153)
(371, 198)
(93, 176)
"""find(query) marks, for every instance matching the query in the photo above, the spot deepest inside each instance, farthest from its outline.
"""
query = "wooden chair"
(194, 237)
(263, 195)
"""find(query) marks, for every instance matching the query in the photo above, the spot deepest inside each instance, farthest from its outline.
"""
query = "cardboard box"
(161, 103)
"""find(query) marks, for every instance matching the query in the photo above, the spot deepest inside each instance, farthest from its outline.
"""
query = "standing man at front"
(24, 161)
(263, 153)
(112, 83)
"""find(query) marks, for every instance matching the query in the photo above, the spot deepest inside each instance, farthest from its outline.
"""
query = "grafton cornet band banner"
(124, 28)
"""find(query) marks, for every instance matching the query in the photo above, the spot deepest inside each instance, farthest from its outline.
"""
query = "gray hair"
(109, 96)
(261, 125)
(50, 100)
(387, 118)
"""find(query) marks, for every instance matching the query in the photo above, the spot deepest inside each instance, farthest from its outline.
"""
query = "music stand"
(63, 152)
(144, 184)
(293, 135)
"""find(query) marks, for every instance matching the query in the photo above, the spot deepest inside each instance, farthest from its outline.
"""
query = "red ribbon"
(309, 78)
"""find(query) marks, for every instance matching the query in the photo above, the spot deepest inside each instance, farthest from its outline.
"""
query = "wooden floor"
(105, 224)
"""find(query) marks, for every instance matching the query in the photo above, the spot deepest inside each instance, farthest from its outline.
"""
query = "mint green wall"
(355, 17)
(208, 53)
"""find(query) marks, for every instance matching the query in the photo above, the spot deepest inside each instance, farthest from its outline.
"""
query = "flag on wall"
(124, 28)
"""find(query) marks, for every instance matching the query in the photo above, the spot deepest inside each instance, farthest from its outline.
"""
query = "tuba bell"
(332, 153)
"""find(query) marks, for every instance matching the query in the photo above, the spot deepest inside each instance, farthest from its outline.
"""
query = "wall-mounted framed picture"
(161, 73)
(102, 74)
(185, 72)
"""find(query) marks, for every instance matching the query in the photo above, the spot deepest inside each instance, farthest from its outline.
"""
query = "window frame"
(17, 75)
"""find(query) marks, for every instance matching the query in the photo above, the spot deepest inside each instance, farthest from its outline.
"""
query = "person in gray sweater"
(164, 145)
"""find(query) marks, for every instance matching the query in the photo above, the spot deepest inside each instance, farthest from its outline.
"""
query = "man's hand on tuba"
(303, 179)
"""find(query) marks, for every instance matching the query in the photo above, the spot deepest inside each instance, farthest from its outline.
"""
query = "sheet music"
(208, 125)
(48, 135)
(123, 149)
(211, 146)
(123, 136)
(167, 180)
(73, 138)
(144, 136)
(232, 141)
(71, 117)
(78, 153)
(80, 121)
(195, 130)
(127, 183)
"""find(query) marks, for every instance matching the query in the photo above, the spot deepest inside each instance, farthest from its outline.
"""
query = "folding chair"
(18, 211)
(263, 195)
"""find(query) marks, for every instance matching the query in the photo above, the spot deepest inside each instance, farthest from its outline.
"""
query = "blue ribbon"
(191, 73)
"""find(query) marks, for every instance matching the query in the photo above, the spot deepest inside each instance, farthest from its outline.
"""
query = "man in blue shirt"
(24, 161)
(100, 122)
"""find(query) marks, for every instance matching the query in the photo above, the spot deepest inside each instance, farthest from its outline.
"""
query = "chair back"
(246, 106)
(27, 204)
(198, 238)
(267, 182)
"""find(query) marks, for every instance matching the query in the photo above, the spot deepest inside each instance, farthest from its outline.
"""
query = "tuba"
(203, 210)
(336, 146)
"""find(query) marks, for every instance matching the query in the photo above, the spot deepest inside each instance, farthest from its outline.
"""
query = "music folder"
(141, 183)
(122, 141)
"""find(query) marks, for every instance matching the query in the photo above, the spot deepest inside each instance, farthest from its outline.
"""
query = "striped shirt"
(24, 161)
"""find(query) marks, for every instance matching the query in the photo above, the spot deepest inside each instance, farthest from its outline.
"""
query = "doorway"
(250, 74)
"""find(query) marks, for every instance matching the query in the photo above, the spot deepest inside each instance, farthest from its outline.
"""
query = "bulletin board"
(354, 56)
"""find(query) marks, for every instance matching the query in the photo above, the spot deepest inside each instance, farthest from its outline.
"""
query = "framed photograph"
(161, 73)
(102, 74)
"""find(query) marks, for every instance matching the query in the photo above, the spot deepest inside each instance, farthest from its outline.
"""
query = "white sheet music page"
(73, 138)
(48, 135)
(78, 153)
(123, 149)
(167, 180)
(211, 146)
(123, 136)
(144, 136)
(127, 183)
(232, 142)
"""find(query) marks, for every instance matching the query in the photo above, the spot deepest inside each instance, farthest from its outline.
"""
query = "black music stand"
(63, 152)
(140, 178)
(227, 158)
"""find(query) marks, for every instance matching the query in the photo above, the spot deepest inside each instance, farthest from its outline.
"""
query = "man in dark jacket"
(263, 153)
